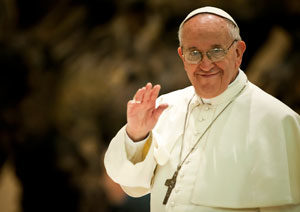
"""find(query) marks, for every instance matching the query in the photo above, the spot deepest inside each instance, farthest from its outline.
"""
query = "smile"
(208, 75)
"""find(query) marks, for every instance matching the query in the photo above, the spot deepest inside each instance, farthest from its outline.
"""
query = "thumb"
(158, 111)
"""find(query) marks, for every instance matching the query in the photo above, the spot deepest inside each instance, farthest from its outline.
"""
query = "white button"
(172, 204)
(182, 175)
(177, 190)
(201, 119)
(187, 162)
(207, 108)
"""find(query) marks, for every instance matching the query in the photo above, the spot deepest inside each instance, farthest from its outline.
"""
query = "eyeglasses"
(215, 54)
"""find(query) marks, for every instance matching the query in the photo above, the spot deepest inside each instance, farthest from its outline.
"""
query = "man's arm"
(129, 159)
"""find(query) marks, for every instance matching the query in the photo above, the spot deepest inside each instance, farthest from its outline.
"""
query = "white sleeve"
(284, 208)
(134, 149)
(135, 176)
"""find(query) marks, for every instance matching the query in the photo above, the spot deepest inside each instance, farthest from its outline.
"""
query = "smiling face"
(204, 32)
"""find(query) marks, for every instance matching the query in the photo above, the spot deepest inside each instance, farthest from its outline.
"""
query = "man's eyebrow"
(216, 46)
(211, 47)
(193, 48)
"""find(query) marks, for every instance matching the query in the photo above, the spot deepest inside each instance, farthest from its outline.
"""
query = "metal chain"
(193, 148)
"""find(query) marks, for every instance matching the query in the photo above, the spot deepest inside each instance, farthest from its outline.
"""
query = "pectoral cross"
(170, 183)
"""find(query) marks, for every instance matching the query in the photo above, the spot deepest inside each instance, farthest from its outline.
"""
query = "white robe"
(248, 159)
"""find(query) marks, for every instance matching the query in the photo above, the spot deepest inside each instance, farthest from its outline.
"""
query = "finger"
(139, 94)
(158, 111)
(130, 104)
(155, 92)
(147, 92)
(132, 107)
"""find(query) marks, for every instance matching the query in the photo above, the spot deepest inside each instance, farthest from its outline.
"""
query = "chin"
(209, 93)
(208, 96)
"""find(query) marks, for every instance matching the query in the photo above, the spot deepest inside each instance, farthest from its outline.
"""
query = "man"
(221, 144)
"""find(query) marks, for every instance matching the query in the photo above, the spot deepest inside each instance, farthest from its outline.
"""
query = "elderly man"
(221, 144)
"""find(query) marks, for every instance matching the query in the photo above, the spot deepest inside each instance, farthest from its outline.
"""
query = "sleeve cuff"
(134, 149)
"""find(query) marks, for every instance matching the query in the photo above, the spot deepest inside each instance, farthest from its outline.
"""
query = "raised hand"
(142, 115)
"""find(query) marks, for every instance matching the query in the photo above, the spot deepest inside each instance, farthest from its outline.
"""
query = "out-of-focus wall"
(69, 67)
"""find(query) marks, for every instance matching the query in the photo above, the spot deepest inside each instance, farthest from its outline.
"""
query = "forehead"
(206, 29)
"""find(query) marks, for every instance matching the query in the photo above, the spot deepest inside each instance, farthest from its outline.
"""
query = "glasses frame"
(208, 54)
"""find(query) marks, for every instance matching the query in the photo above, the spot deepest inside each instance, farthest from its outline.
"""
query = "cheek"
(189, 69)
(229, 67)
(236, 61)
(228, 73)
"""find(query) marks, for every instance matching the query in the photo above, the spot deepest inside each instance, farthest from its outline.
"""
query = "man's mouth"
(207, 75)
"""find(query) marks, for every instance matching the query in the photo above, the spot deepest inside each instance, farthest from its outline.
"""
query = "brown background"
(68, 68)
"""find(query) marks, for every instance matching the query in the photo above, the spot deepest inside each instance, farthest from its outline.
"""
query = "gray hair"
(233, 30)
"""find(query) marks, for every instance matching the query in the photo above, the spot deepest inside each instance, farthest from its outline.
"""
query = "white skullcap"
(212, 10)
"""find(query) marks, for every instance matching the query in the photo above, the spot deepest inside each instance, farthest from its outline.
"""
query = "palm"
(142, 115)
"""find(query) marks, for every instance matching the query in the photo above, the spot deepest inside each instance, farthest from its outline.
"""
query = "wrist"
(136, 136)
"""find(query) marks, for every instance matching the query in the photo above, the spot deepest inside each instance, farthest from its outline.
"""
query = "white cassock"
(248, 160)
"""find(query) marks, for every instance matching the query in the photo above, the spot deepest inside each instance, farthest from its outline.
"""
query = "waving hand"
(142, 114)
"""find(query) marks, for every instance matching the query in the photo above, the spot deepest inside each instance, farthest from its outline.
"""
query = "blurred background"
(68, 68)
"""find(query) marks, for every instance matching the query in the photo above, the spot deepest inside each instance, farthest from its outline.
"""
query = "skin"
(204, 32)
(210, 79)
(142, 115)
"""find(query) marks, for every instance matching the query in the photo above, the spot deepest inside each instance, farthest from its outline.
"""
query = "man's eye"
(194, 53)
(217, 51)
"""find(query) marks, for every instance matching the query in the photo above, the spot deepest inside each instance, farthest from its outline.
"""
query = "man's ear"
(180, 53)
(241, 47)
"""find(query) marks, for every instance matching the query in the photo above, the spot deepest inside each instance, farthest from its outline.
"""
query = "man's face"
(204, 32)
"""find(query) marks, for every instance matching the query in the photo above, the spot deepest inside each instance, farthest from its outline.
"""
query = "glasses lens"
(193, 56)
(216, 54)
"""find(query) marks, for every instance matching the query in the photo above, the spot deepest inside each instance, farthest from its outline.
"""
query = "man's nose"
(205, 64)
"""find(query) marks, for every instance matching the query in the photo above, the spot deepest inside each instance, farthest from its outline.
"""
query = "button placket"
(201, 119)
(206, 115)
(172, 204)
